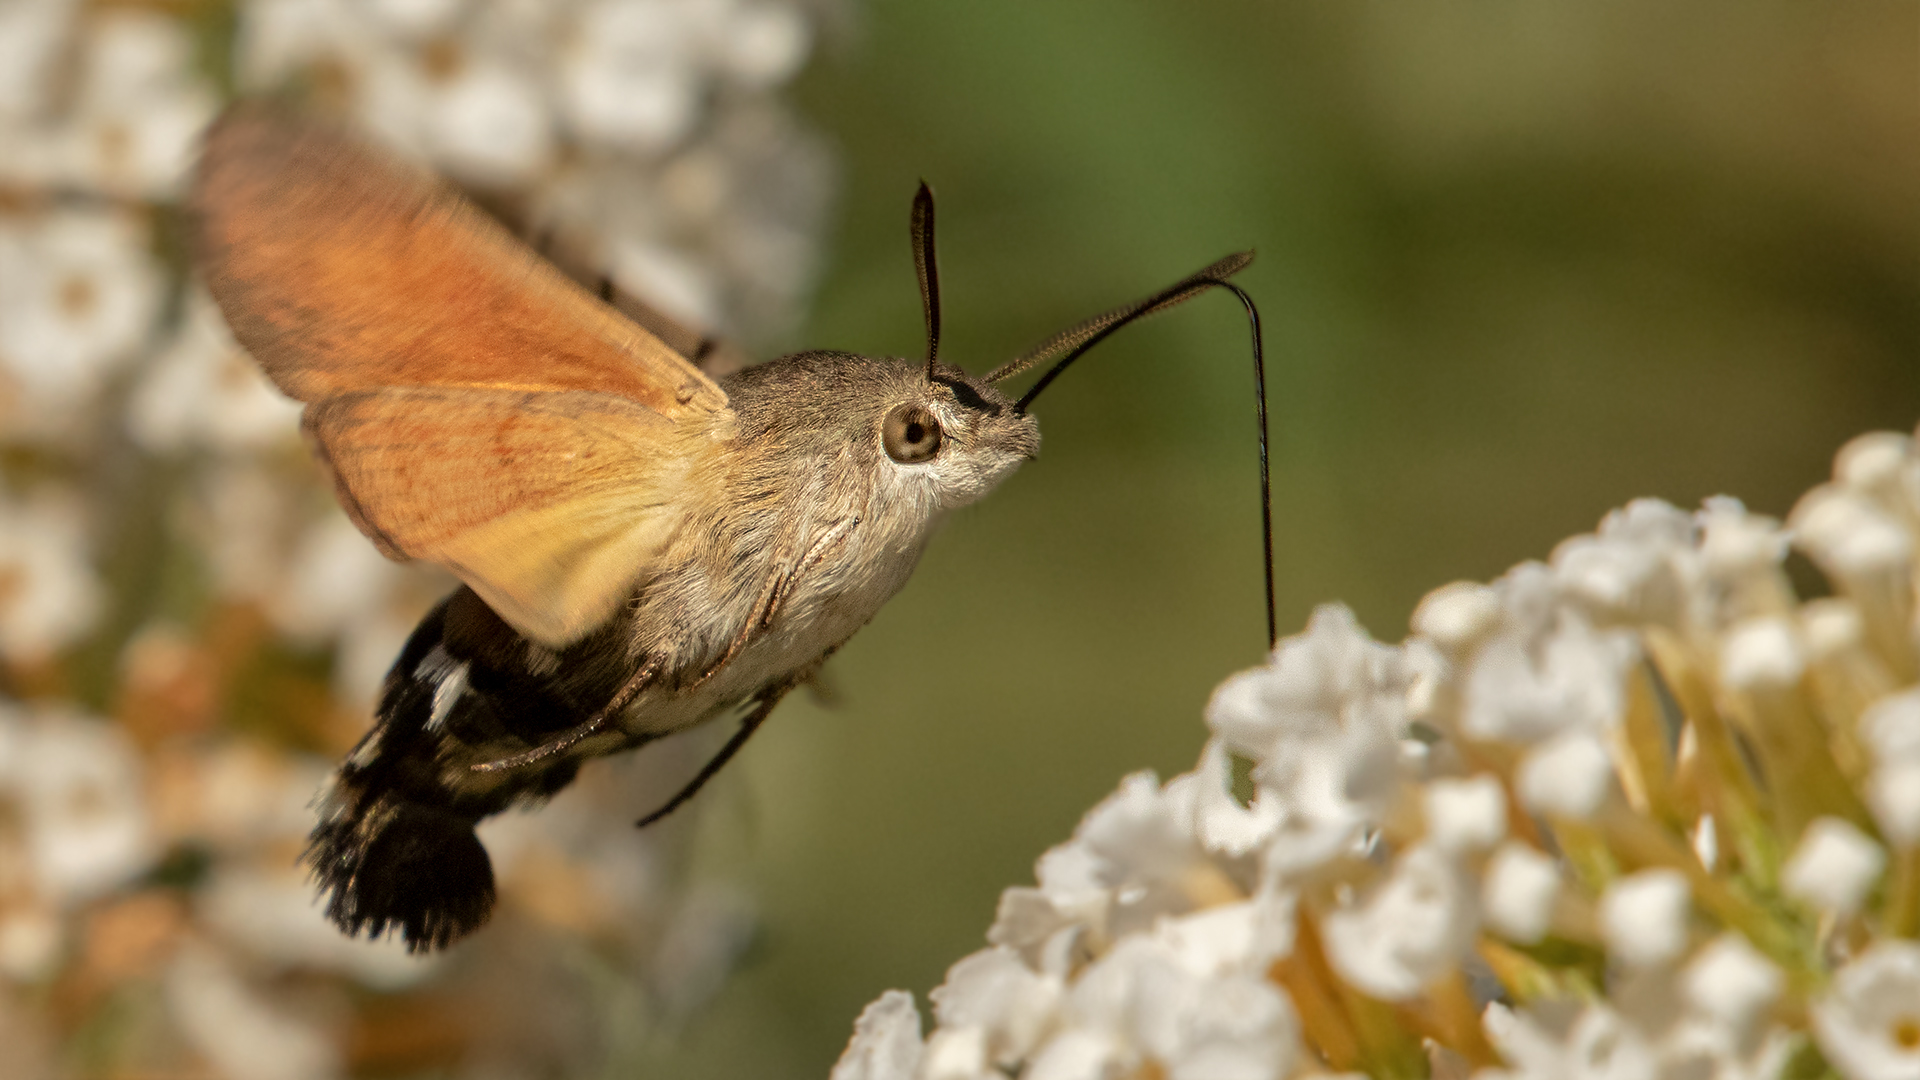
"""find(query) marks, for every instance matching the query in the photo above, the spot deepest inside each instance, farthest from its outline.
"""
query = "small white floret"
(886, 1041)
(1872, 463)
(1893, 793)
(1412, 930)
(1891, 727)
(1569, 777)
(1457, 616)
(1868, 1022)
(1644, 917)
(1731, 982)
(1762, 654)
(1519, 891)
(994, 992)
(1833, 867)
(1466, 815)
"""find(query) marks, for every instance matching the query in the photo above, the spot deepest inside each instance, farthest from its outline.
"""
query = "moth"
(641, 547)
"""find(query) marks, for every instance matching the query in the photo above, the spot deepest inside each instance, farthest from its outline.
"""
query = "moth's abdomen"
(395, 849)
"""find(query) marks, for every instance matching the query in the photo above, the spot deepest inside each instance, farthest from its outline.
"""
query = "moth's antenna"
(1076, 341)
(928, 269)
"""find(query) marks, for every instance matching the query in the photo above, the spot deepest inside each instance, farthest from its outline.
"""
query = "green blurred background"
(1518, 264)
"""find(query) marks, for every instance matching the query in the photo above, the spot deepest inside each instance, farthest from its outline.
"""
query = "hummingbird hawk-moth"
(641, 547)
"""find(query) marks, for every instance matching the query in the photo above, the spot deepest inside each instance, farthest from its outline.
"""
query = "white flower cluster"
(190, 629)
(644, 130)
(1635, 812)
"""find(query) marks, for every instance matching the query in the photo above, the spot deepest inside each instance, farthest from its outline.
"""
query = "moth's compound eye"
(910, 434)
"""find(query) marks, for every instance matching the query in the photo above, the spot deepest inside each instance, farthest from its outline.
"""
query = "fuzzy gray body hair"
(800, 491)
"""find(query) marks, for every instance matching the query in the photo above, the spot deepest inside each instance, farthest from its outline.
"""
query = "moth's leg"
(592, 726)
(763, 709)
(775, 596)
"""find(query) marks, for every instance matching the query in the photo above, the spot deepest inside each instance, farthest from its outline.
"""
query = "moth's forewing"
(342, 268)
(476, 407)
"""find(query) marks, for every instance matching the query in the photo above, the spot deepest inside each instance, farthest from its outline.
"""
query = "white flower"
(956, 1054)
(631, 79)
(1141, 998)
(886, 1041)
(1413, 929)
(1458, 616)
(1891, 726)
(49, 593)
(334, 579)
(1555, 1044)
(1626, 572)
(1891, 730)
(30, 35)
(1763, 654)
(1548, 670)
(78, 784)
(763, 44)
(1466, 815)
(1644, 917)
(1520, 888)
(78, 294)
(1732, 983)
(1833, 867)
(241, 1034)
(204, 390)
(1222, 824)
(1868, 1022)
(141, 107)
(1322, 721)
(996, 993)
(1848, 535)
(1571, 776)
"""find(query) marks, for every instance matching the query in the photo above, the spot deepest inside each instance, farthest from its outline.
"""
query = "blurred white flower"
(1644, 917)
(1415, 928)
(1868, 1021)
(1518, 893)
(1142, 1003)
(1731, 982)
(1557, 1043)
(1833, 867)
(1322, 721)
(31, 32)
(995, 992)
(76, 783)
(78, 294)
(1628, 571)
(239, 1032)
(631, 78)
(1466, 815)
(141, 106)
(49, 592)
(205, 391)
(886, 1041)
(1547, 671)
(1569, 776)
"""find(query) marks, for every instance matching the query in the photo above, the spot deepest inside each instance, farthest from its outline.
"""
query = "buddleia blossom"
(191, 631)
(1637, 811)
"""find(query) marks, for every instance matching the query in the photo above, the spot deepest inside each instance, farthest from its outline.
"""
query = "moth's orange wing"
(341, 268)
(476, 407)
(548, 504)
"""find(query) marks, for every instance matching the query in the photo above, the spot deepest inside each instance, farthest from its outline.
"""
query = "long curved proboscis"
(927, 268)
(1076, 341)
